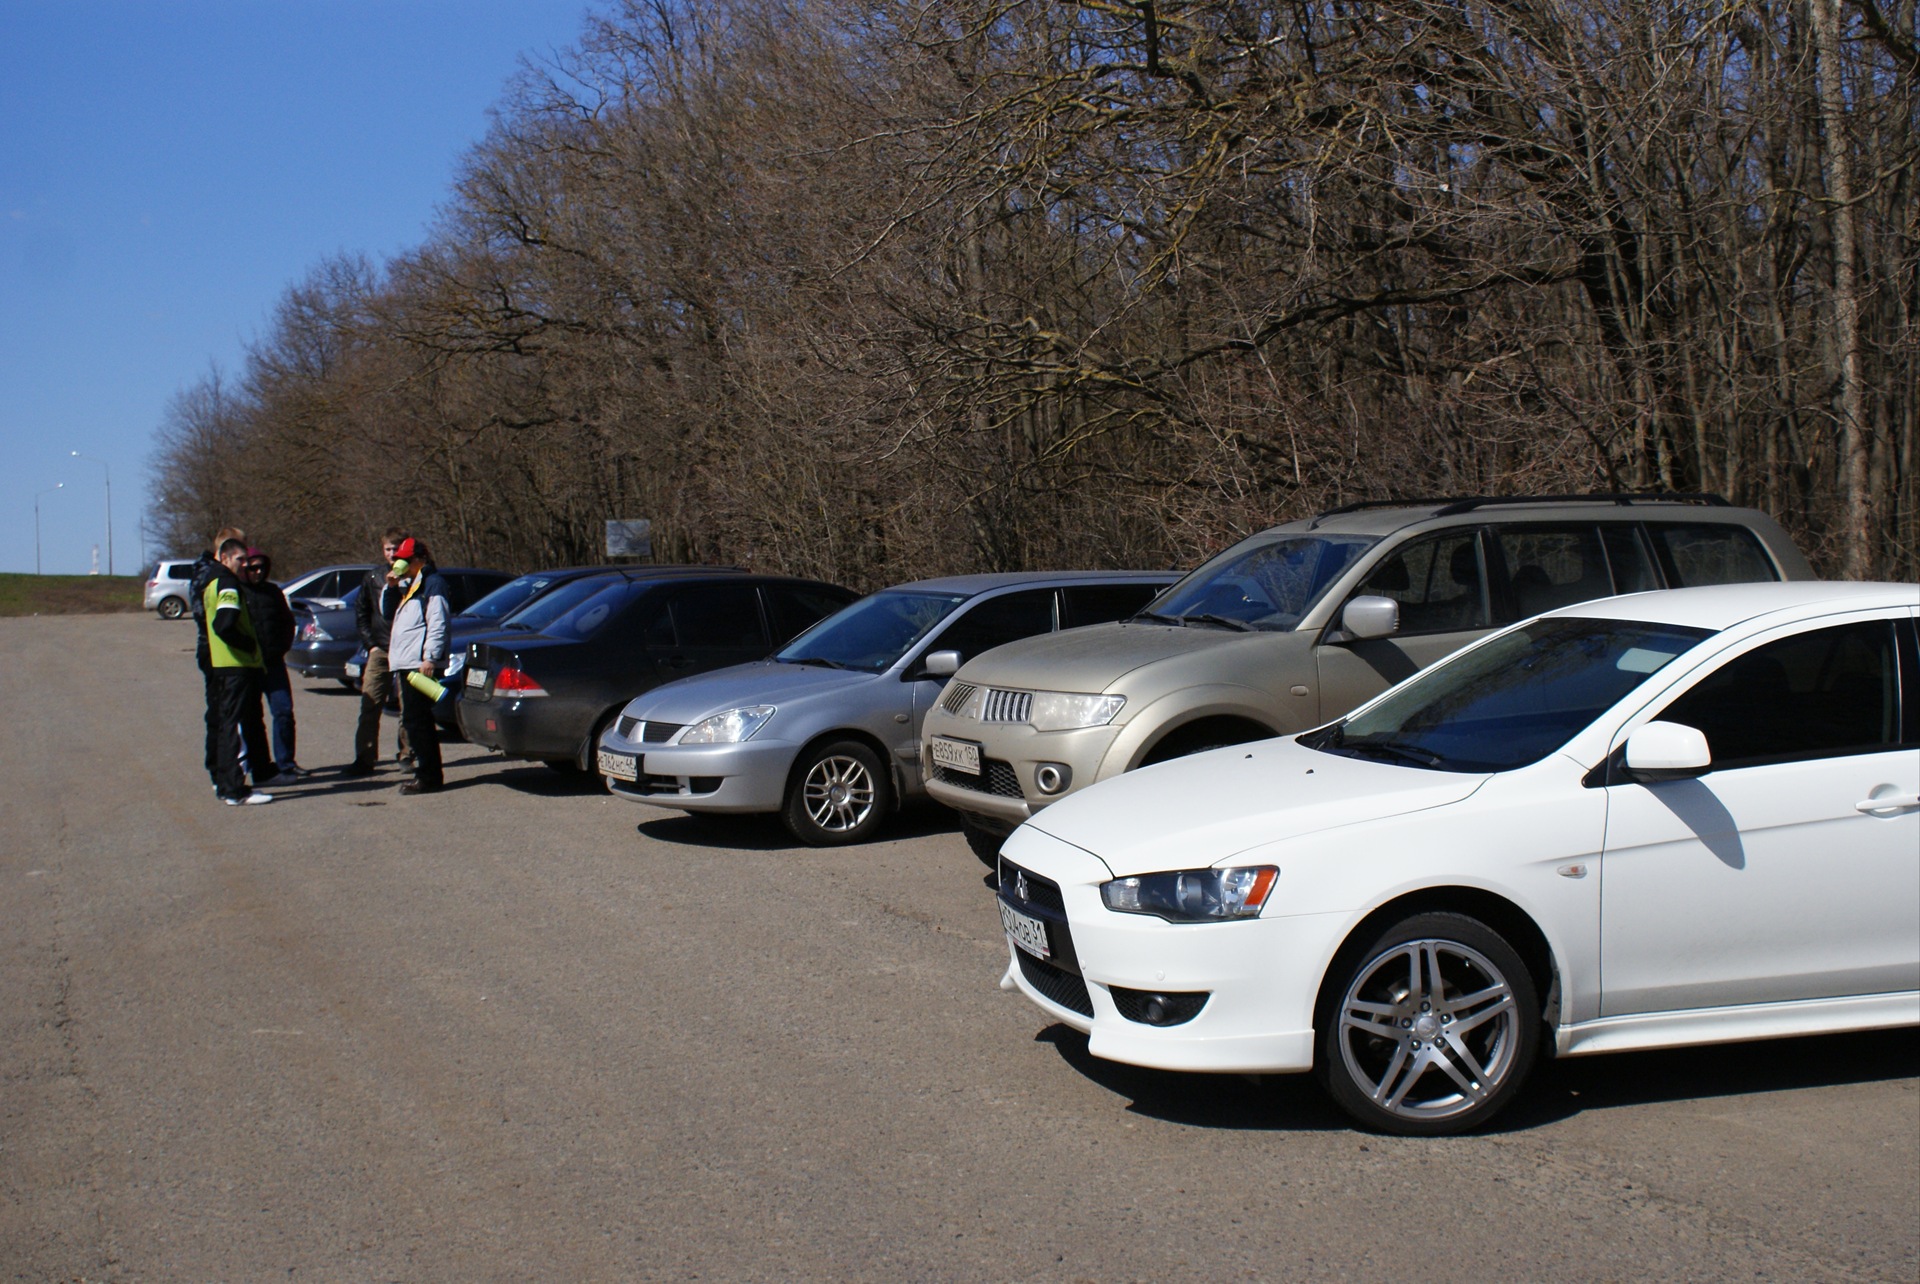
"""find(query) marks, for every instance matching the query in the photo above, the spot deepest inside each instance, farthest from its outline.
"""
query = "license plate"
(476, 677)
(1028, 932)
(956, 755)
(621, 766)
(353, 670)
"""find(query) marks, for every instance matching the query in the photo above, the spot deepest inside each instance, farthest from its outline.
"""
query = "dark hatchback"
(324, 640)
(549, 696)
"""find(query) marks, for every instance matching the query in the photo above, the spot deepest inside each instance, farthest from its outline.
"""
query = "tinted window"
(542, 611)
(1705, 554)
(997, 621)
(1510, 701)
(591, 615)
(1549, 567)
(1437, 583)
(509, 597)
(794, 608)
(180, 571)
(1099, 603)
(724, 616)
(1818, 695)
(1627, 554)
(1267, 582)
(872, 633)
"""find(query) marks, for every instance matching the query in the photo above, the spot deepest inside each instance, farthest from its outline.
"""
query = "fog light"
(1159, 1008)
(1052, 777)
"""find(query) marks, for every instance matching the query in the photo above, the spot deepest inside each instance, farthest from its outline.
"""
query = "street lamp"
(109, 472)
(36, 522)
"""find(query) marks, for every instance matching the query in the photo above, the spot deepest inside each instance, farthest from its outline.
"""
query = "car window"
(1512, 700)
(796, 607)
(873, 633)
(592, 614)
(1437, 582)
(1818, 695)
(180, 571)
(1098, 603)
(997, 621)
(721, 616)
(1627, 556)
(1266, 582)
(1709, 554)
(508, 598)
(536, 615)
(1549, 566)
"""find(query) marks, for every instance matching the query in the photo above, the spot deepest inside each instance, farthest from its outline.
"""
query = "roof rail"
(1447, 507)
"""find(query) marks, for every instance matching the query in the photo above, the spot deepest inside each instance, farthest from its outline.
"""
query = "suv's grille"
(1006, 706)
(996, 777)
(956, 697)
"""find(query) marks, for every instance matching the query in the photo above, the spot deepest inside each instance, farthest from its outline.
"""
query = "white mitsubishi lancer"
(1672, 818)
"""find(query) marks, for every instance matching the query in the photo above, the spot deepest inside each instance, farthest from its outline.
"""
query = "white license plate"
(353, 670)
(476, 677)
(1028, 932)
(956, 755)
(621, 766)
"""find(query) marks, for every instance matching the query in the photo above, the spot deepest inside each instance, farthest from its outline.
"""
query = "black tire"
(171, 608)
(589, 758)
(983, 842)
(839, 793)
(1432, 1028)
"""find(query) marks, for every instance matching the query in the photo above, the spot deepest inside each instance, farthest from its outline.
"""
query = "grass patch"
(70, 594)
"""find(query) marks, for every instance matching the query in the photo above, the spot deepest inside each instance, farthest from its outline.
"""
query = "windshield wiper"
(1156, 617)
(1391, 749)
(820, 661)
(1223, 621)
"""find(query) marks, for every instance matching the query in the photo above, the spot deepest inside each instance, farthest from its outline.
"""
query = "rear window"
(1693, 555)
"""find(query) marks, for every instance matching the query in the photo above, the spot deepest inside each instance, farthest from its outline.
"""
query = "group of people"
(245, 631)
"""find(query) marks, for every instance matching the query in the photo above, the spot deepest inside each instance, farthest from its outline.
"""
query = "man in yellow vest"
(237, 666)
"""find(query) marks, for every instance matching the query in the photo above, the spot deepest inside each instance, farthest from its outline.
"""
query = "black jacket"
(205, 567)
(272, 618)
(373, 610)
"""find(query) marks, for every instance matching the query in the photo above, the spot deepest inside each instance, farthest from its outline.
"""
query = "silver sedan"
(827, 731)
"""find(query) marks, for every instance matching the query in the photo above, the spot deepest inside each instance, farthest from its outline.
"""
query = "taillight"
(515, 682)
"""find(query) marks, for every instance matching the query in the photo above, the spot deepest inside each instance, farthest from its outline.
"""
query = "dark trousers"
(422, 732)
(213, 720)
(277, 689)
(237, 705)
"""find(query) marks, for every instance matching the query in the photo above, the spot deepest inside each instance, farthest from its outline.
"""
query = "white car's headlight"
(728, 728)
(1069, 711)
(1193, 895)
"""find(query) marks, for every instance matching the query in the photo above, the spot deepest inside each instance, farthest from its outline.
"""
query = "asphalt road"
(500, 1033)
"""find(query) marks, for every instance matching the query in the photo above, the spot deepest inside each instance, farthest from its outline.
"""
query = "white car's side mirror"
(1370, 617)
(939, 664)
(1667, 751)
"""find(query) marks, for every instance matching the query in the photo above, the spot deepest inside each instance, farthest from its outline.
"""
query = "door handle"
(1888, 802)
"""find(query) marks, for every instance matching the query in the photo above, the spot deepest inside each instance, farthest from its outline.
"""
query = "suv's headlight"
(728, 728)
(1193, 895)
(1069, 711)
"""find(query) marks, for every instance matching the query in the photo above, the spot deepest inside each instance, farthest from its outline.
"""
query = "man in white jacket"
(419, 645)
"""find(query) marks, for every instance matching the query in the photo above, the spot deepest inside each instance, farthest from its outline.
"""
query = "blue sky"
(167, 169)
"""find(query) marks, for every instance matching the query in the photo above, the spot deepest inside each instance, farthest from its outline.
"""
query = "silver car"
(827, 731)
(169, 585)
(1298, 624)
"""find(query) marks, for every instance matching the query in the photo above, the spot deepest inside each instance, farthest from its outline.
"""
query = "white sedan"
(1667, 819)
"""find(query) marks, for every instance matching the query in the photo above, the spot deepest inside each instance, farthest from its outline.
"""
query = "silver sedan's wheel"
(839, 794)
(1434, 1028)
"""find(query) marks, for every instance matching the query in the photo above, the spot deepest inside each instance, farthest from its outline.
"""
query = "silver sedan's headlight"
(728, 728)
(1193, 895)
(1069, 710)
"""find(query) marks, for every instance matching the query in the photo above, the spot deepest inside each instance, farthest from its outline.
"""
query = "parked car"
(325, 587)
(325, 638)
(827, 731)
(1302, 622)
(548, 696)
(169, 585)
(1667, 819)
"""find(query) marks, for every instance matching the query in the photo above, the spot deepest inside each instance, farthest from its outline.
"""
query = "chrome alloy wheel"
(1429, 1030)
(839, 794)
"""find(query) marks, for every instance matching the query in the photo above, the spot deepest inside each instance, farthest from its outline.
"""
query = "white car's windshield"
(871, 634)
(1267, 583)
(1512, 700)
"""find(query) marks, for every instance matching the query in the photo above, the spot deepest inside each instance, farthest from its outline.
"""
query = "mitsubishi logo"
(1020, 886)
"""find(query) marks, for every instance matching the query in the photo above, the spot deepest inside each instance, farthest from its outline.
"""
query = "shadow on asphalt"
(1558, 1090)
(765, 833)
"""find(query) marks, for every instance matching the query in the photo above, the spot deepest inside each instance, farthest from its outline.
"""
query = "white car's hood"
(1211, 807)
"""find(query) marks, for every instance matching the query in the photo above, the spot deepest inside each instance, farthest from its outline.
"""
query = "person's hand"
(426, 667)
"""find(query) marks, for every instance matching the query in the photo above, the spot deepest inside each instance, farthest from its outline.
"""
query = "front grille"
(1064, 988)
(956, 697)
(1006, 706)
(651, 785)
(625, 726)
(1042, 893)
(1150, 1007)
(658, 733)
(996, 777)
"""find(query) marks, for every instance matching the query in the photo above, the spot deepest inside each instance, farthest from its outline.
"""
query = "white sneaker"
(253, 799)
